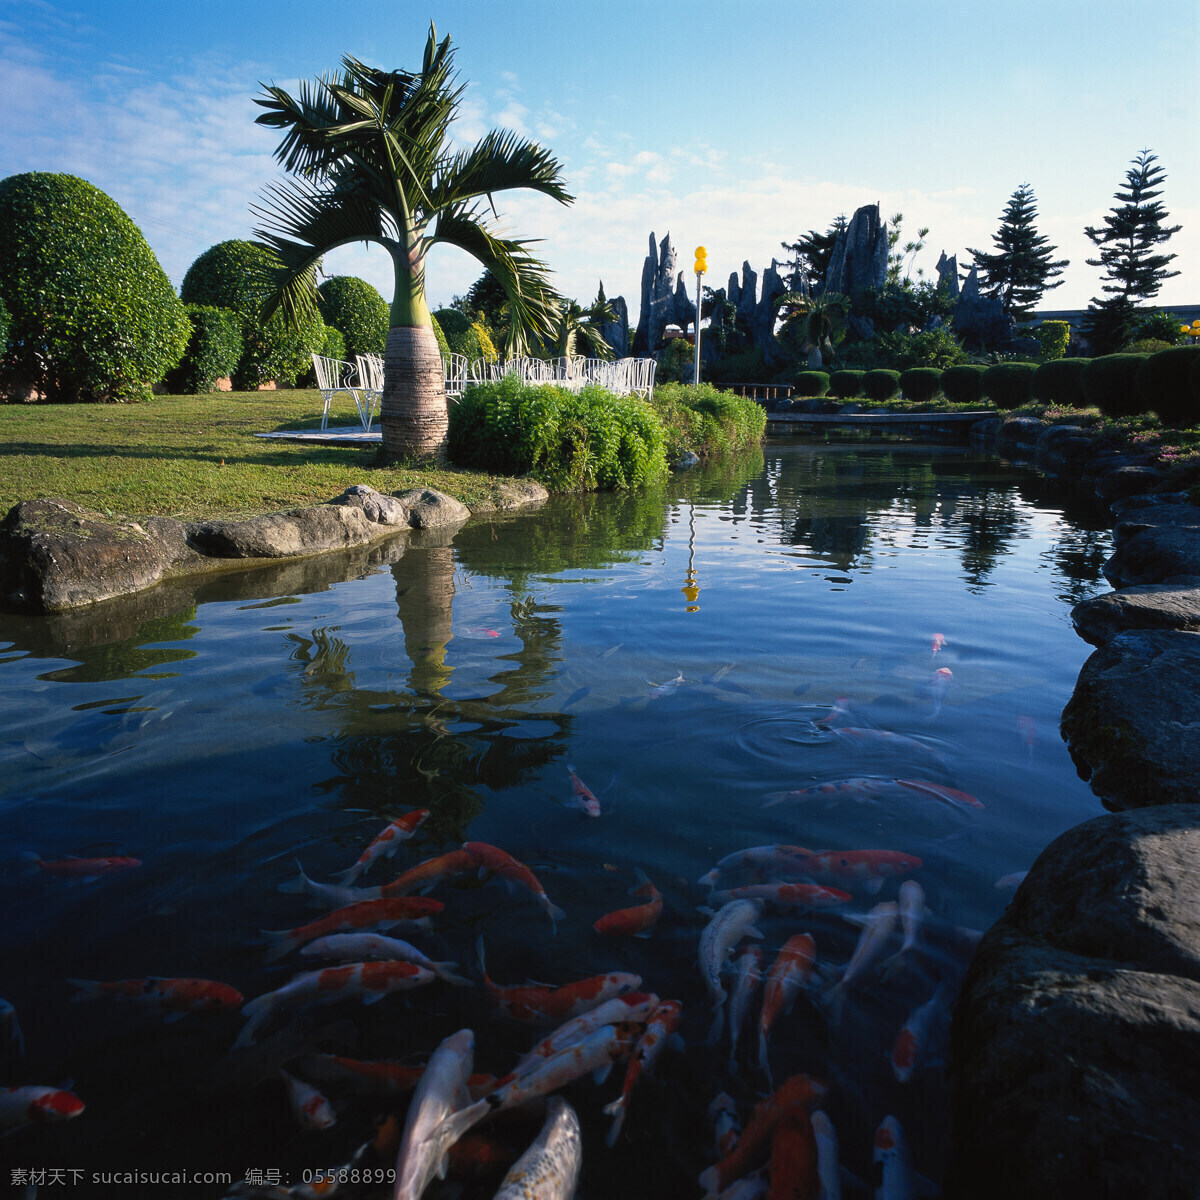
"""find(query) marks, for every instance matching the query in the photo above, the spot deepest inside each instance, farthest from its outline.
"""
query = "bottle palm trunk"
(412, 410)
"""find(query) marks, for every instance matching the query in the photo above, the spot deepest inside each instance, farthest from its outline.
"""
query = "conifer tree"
(1020, 270)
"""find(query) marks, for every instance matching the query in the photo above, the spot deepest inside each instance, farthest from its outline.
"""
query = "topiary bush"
(1055, 337)
(881, 384)
(1010, 384)
(1110, 383)
(352, 306)
(963, 384)
(1164, 386)
(235, 275)
(921, 383)
(93, 316)
(1060, 382)
(845, 385)
(212, 351)
(334, 345)
(569, 441)
(810, 383)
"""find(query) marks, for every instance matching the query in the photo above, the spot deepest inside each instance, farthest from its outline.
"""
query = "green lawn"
(195, 456)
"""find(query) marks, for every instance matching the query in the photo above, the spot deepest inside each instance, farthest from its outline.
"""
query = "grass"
(197, 456)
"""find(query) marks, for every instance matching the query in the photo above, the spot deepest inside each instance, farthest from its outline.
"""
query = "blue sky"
(735, 125)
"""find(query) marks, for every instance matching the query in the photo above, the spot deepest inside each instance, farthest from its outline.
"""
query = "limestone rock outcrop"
(860, 254)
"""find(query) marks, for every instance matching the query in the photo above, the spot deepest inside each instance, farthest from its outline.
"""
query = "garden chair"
(334, 376)
(370, 387)
(457, 372)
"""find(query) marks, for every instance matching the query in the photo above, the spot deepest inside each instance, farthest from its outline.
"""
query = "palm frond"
(500, 162)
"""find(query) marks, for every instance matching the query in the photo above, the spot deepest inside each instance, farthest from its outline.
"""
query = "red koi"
(386, 844)
(86, 868)
(794, 895)
(21, 1106)
(428, 873)
(937, 641)
(636, 921)
(788, 974)
(649, 1046)
(174, 997)
(793, 1164)
(503, 864)
(365, 915)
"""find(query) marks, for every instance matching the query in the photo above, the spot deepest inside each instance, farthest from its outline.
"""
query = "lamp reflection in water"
(691, 585)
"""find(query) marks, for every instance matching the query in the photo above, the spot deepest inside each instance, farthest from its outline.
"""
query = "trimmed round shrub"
(1164, 385)
(881, 384)
(93, 315)
(1055, 337)
(963, 384)
(236, 275)
(845, 385)
(1110, 383)
(334, 345)
(352, 306)
(920, 383)
(1009, 385)
(810, 383)
(212, 352)
(1060, 382)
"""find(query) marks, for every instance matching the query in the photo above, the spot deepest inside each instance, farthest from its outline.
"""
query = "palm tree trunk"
(412, 410)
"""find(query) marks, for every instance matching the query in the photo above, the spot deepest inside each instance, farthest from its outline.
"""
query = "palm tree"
(818, 323)
(371, 163)
(577, 327)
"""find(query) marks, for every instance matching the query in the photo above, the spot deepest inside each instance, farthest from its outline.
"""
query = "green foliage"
(569, 441)
(443, 345)
(236, 275)
(811, 383)
(1060, 381)
(1110, 383)
(212, 351)
(354, 307)
(1164, 385)
(1009, 384)
(92, 314)
(334, 345)
(455, 326)
(920, 383)
(705, 420)
(745, 367)
(676, 362)
(1161, 326)
(1145, 346)
(937, 348)
(5, 322)
(846, 384)
(480, 344)
(881, 384)
(904, 304)
(1054, 336)
(963, 384)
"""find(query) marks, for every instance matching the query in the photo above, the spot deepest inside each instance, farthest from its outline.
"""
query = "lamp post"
(701, 267)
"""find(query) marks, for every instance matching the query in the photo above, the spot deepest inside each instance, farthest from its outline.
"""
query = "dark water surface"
(220, 731)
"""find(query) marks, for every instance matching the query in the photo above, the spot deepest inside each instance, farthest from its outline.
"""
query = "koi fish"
(508, 868)
(659, 691)
(791, 895)
(21, 1106)
(747, 975)
(883, 741)
(649, 1046)
(325, 895)
(793, 1169)
(538, 1003)
(727, 927)
(870, 868)
(378, 1077)
(632, 1008)
(939, 684)
(770, 860)
(873, 787)
(725, 1122)
(10, 1031)
(878, 926)
(549, 1169)
(478, 632)
(359, 946)
(386, 844)
(310, 1108)
(426, 875)
(582, 797)
(788, 974)
(892, 1161)
(937, 642)
(174, 998)
(913, 1039)
(636, 921)
(829, 1167)
(753, 1146)
(364, 916)
(366, 981)
(911, 903)
(441, 1093)
(83, 869)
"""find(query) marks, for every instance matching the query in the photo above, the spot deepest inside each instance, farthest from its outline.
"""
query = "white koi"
(829, 1168)
(650, 1045)
(633, 1007)
(912, 1042)
(747, 976)
(310, 1108)
(549, 1169)
(723, 932)
(891, 1154)
(326, 895)
(939, 684)
(659, 691)
(878, 927)
(582, 796)
(726, 1124)
(345, 947)
(911, 902)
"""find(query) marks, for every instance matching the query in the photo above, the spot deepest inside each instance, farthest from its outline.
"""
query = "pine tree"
(1135, 273)
(1018, 273)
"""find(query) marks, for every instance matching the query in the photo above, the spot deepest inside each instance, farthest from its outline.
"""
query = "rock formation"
(616, 333)
(860, 255)
(981, 320)
(659, 302)
(947, 272)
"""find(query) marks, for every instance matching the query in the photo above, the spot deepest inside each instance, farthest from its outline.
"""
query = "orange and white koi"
(829, 1167)
(878, 926)
(493, 859)
(762, 860)
(582, 796)
(636, 921)
(379, 1077)
(386, 844)
(426, 875)
(549, 1169)
(83, 869)
(726, 928)
(366, 981)
(359, 946)
(21, 1106)
(937, 642)
(311, 1109)
(725, 1122)
(10, 1032)
(912, 1042)
(649, 1046)
(939, 684)
(174, 998)
(538, 1003)
(363, 916)
(789, 895)
(891, 1157)
(632, 1008)
(793, 1170)
(911, 903)
(790, 972)
(747, 975)
(869, 868)
(883, 741)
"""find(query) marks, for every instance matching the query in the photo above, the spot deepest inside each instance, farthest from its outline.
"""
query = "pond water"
(689, 651)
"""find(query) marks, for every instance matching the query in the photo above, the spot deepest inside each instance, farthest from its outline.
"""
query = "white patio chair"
(457, 372)
(369, 391)
(334, 376)
(641, 376)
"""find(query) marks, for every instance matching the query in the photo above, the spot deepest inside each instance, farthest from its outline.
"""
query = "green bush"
(930, 348)
(569, 441)
(1146, 346)
(455, 326)
(235, 275)
(963, 384)
(676, 362)
(212, 351)
(1110, 383)
(1009, 384)
(810, 383)
(705, 420)
(1055, 337)
(358, 311)
(881, 384)
(748, 366)
(1164, 385)
(1160, 326)
(846, 384)
(443, 345)
(92, 314)
(5, 322)
(921, 383)
(1060, 382)
(334, 345)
